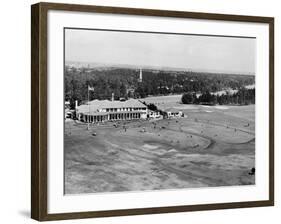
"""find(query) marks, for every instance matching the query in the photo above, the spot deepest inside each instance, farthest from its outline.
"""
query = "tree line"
(242, 97)
(123, 82)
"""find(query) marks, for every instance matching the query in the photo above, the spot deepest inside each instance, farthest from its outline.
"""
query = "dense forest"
(123, 82)
(242, 97)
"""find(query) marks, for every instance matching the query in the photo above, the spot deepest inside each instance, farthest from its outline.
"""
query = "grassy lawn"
(212, 146)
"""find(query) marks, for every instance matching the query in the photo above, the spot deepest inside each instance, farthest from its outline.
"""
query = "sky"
(205, 53)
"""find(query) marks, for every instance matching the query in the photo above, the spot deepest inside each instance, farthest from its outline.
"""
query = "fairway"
(211, 146)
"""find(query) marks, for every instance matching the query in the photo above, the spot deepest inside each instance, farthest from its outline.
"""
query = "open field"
(211, 146)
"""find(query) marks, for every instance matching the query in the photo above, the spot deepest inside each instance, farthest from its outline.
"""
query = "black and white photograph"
(147, 111)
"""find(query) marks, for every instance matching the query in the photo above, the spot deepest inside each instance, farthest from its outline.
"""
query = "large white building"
(105, 110)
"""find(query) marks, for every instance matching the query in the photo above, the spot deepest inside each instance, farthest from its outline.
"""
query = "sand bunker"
(221, 107)
(148, 146)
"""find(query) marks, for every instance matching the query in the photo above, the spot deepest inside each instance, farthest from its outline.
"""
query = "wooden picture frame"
(39, 109)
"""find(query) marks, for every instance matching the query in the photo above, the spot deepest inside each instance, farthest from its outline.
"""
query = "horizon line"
(154, 67)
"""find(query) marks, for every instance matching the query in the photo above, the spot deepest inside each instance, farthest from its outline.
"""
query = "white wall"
(15, 118)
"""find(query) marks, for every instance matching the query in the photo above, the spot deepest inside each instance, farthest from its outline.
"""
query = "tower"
(140, 77)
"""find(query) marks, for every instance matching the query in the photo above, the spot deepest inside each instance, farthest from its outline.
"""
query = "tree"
(123, 90)
(206, 97)
(152, 106)
(187, 98)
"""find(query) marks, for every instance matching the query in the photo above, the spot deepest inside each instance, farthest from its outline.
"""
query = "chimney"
(112, 97)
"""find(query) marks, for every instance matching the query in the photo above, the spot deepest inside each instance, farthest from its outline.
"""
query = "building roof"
(96, 105)
(95, 113)
(171, 109)
(153, 111)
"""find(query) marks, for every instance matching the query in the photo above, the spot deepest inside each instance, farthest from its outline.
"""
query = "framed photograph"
(139, 111)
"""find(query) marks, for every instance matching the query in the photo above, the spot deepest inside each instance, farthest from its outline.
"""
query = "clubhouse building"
(105, 110)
